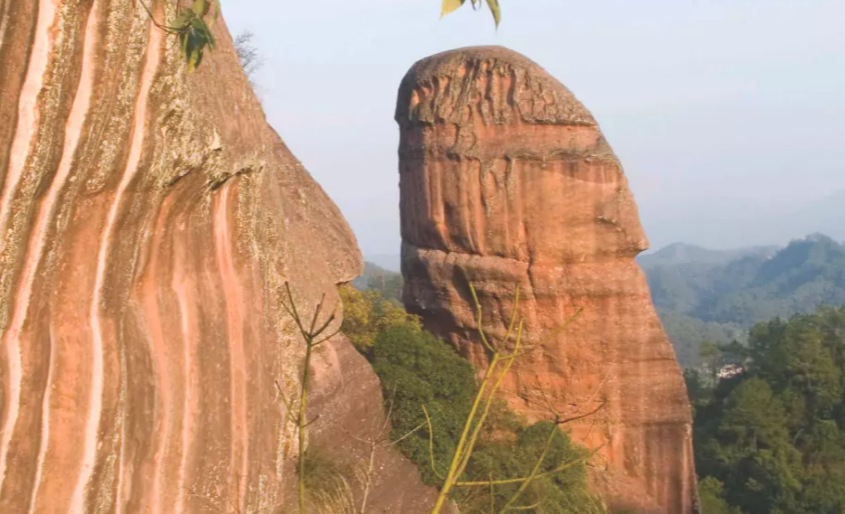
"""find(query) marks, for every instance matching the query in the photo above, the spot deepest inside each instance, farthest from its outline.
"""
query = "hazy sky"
(728, 115)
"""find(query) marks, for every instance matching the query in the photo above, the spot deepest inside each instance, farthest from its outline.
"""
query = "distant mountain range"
(682, 253)
(387, 261)
(389, 283)
(717, 295)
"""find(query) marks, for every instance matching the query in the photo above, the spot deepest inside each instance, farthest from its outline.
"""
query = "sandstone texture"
(149, 217)
(506, 180)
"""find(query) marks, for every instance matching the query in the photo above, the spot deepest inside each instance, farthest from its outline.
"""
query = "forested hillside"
(772, 439)
(425, 381)
(716, 296)
(388, 283)
(686, 254)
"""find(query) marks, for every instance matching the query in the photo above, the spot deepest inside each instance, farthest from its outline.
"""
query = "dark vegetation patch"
(416, 368)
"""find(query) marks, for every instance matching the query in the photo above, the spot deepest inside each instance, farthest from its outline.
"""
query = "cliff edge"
(149, 218)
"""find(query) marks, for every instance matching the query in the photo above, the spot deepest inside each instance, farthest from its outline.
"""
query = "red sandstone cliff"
(506, 178)
(149, 217)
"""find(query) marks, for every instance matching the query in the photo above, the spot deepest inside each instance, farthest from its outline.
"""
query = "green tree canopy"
(774, 437)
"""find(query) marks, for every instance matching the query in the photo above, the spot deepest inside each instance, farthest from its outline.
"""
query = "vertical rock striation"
(148, 218)
(507, 180)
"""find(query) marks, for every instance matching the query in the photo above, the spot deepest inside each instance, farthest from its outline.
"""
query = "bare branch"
(561, 328)
(559, 422)
(168, 29)
(536, 469)
(526, 507)
(409, 434)
(513, 316)
(292, 310)
(389, 412)
(323, 340)
(479, 319)
(562, 467)
(284, 400)
(431, 443)
(317, 313)
(325, 325)
(490, 397)
(251, 60)
(520, 480)
(492, 494)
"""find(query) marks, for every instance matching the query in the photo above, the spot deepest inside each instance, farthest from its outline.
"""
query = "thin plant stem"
(490, 398)
(469, 436)
(168, 29)
(452, 475)
(303, 401)
(536, 469)
(310, 336)
(506, 481)
(499, 367)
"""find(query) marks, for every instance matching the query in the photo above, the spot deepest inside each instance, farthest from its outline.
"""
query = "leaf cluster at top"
(450, 6)
(194, 34)
(192, 29)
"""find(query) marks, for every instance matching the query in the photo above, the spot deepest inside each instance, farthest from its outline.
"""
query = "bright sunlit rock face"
(148, 218)
(507, 180)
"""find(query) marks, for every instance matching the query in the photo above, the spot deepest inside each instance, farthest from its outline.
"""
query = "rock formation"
(506, 180)
(149, 216)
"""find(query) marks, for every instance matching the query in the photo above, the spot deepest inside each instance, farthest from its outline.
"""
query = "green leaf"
(212, 43)
(202, 32)
(198, 25)
(216, 11)
(184, 39)
(183, 18)
(450, 6)
(192, 46)
(201, 7)
(496, 10)
(194, 39)
(195, 59)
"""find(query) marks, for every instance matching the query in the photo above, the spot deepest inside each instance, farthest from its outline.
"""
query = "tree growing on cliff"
(248, 55)
(367, 314)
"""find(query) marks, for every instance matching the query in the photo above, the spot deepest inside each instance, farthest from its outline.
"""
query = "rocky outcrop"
(149, 216)
(506, 180)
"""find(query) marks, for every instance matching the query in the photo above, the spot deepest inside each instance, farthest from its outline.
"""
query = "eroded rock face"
(149, 217)
(507, 180)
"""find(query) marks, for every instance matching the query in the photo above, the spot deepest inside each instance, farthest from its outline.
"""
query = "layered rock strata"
(507, 181)
(148, 218)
